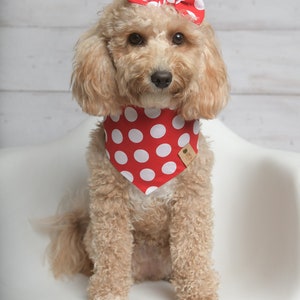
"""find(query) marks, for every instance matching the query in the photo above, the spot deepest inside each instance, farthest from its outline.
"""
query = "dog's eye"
(136, 39)
(178, 38)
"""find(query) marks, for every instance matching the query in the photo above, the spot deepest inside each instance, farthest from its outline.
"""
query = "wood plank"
(257, 15)
(230, 14)
(36, 59)
(50, 13)
(269, 121)
(29, 118)
(265, 62)
(262, 62)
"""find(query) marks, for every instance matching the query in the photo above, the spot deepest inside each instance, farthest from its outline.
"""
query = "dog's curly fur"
(122, 235)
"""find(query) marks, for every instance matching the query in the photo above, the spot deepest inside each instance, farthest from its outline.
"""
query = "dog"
(151, 69)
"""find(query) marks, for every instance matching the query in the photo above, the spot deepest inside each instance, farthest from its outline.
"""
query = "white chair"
(257, 218)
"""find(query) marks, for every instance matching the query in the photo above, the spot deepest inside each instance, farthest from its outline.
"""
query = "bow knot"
(193, 8)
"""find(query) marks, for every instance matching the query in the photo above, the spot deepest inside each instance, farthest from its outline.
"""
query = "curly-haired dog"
(152, 71)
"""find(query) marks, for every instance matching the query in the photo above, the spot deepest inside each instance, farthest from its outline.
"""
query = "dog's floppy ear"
(93, 78)
(210, 92)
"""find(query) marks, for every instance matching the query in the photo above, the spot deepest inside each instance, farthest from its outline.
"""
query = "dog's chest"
(150, 213)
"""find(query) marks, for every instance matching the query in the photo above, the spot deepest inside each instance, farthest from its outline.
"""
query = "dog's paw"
(109, 297)
(196, 294)
(99, 289)
(198, 298)
(212, 297)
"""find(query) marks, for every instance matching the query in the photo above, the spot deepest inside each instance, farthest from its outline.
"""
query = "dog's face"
(149, 57)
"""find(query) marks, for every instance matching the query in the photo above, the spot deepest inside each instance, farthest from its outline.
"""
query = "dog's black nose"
(161, 79)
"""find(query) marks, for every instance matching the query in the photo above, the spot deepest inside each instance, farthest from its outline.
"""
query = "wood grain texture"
(36, 59)
(230, 14)
(40, 59)
(266, 62)
(36, 117)
(268, 120)
(260, 42)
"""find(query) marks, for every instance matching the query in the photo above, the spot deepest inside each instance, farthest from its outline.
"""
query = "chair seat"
(256, 201)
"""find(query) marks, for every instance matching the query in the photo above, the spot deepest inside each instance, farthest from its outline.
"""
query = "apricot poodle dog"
(152, 70)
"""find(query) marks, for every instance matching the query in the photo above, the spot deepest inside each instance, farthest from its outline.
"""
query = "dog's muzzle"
(161, 79)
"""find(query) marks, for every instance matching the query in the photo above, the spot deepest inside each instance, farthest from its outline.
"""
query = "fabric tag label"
(187, 154)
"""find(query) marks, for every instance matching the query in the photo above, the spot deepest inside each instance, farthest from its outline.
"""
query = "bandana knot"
(195, 9)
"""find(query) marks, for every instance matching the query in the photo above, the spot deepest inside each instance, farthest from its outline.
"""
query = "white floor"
(260, 42)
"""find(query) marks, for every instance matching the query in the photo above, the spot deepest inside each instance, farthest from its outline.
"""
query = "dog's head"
(149, 57)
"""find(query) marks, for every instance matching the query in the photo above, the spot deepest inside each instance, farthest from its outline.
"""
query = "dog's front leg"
(109, 242)
(191, 245)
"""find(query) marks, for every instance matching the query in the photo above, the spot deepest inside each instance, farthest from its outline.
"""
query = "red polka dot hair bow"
(193, 8)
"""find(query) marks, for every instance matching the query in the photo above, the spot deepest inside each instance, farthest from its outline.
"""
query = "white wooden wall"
(261, 46)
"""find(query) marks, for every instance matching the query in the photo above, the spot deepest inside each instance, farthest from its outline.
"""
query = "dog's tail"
(66, 252)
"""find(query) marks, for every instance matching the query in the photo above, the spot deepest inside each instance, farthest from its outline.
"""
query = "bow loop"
(193, 8)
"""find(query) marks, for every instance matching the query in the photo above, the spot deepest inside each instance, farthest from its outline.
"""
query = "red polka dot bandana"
(144, 145)
(195, 9)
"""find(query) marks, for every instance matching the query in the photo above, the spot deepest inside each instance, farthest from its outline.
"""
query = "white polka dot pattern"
(169, 167)
(150, 190)
(135, 135)
(115, 118)
(196, 127)
(130, 114)
(147, 174)
(141, 156)
(163, 150)
(178, 122)
(184, 139)
(158, 131)
(127, 175)
(143, 145)
(117, 136)
(121, 157)
(152, 113)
